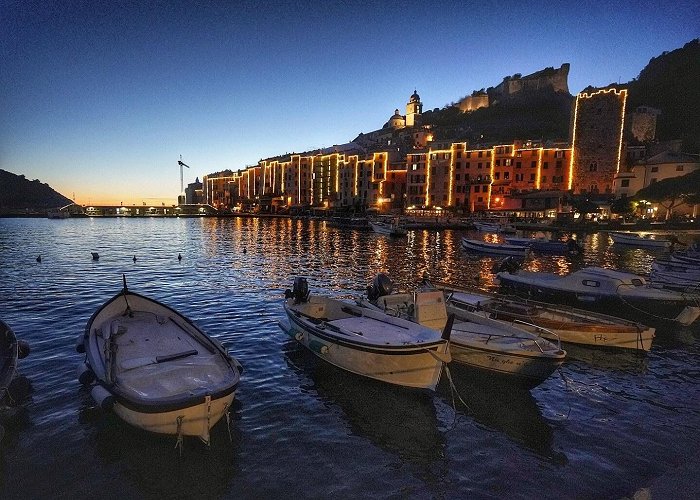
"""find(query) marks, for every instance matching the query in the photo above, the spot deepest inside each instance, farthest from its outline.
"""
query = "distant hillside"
(16, 192)
(542, 114)
(671, 83)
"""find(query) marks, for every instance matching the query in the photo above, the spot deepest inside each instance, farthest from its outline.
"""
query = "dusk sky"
(100, 98)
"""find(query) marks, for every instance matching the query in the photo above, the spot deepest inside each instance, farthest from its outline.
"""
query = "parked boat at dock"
(568, 324)
(605, 290)
(389, 228)
(479, 246)
(155, 369)
(638, 240)
(476, 341)
(366, 342)
(486, 226)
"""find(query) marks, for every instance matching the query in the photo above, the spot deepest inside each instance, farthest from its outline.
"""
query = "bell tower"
(414, 108)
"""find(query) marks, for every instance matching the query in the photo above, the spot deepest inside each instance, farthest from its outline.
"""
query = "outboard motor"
(299, 292)
(381, 286)
(508, 265)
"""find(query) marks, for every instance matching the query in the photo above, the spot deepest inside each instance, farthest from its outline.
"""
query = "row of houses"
(371, 172)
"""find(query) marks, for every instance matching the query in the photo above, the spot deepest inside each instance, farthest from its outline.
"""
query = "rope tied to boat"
(689, 302)
(180, 441)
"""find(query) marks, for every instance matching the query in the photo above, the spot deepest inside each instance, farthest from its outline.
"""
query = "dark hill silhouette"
(671, 83)
(542, 114)
(17, 193)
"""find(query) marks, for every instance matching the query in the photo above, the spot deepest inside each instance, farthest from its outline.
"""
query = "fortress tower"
(598, 121)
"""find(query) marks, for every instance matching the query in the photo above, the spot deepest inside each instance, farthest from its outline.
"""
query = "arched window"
(593, 167)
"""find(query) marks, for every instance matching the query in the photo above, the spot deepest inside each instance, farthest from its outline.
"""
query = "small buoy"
(134, 258)
(80, 345)
(38, 259)
(245, 250)
(102, 397)
(19, 388)
(23, 349)
(95, 256)
(85, 374)
(179, 257)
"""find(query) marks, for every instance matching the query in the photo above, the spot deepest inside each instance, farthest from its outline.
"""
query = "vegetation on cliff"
(18, 193)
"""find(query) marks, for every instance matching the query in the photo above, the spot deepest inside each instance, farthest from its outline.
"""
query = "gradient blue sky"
(100, 98)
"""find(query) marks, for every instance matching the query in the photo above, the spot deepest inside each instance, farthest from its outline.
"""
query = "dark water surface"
(609, 425)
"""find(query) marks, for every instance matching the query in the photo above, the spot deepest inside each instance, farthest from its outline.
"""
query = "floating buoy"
(95, 256)
(179, 257)
(85, 374)
(80, 345)
(38, 259)
(102, 397)
(245, 251)
(19, 388)
(134, 258)
(23, 349)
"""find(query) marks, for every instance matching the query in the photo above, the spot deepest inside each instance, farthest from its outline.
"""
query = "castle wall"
(470, 103)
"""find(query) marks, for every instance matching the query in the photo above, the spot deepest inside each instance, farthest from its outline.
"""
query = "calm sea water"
(605, 427)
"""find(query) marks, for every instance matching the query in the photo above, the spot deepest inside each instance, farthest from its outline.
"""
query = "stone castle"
(548, 78)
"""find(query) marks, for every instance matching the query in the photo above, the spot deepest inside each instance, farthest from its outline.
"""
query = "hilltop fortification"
(550, 78)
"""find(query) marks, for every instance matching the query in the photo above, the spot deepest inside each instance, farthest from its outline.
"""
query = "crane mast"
(182, 185)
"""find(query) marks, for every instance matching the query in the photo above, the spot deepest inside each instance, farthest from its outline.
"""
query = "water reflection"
(151, 461)
(398, 420)
(503, 407)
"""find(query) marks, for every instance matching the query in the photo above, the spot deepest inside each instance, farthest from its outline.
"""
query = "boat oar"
(130, 364)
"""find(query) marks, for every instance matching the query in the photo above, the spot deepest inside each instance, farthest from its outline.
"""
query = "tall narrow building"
(597, 131)
(414, 109)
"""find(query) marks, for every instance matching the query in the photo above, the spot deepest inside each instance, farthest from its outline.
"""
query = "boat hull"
(521, 369)
(635, 308)
(416, 367)
(195, 420)
(494, 249)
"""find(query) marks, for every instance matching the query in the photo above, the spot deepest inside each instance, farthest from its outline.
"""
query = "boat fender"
(103, 398)
(299, 336)
(19, 388)
(23, 349)
(85, 374)
(80, 345)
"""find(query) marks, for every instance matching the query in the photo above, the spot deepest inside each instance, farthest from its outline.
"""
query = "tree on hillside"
(670, 193)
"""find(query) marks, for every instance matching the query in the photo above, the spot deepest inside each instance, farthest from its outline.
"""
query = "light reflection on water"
(304, 428)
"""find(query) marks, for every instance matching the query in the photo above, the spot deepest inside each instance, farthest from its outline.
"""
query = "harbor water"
(607, 425)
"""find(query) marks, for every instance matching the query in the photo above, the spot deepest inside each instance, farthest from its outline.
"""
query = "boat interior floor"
(155, 356)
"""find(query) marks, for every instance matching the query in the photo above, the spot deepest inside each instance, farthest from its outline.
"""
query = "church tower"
(414, 108)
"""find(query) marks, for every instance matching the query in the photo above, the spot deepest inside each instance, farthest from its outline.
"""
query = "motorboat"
(476, 341)
(366, 342)
(155, 368)
(544, 245)
(605, 290)
(487, 226)
(479, 246)
(567, 324)
(638, 240)
(392, 228)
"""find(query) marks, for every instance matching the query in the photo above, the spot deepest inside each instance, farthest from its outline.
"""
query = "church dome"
(414, 97)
